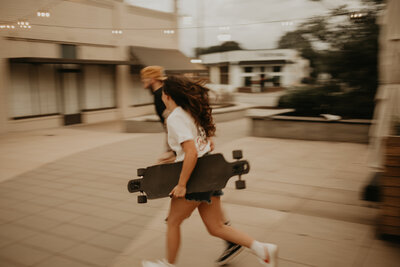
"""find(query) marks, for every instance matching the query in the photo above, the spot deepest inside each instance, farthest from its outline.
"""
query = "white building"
(255, 70)
(78, 61)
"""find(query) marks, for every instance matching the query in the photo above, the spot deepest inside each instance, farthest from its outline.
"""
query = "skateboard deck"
(212, 172)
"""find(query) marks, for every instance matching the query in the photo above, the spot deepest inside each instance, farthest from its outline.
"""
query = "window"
(138, 95)
(247, 81)
(99, 87)
(276, 80)
(277, 68)
(47, 89)
(247, 76)
(68, 51)
(33, 90)
(224, 74)
(248, 69)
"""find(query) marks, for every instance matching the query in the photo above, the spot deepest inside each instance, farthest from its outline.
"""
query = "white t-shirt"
(182, 127)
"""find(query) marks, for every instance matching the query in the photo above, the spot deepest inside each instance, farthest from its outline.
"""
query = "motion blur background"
(308, 89)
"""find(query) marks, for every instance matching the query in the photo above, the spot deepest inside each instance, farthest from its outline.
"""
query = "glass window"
(276, 80)
(68, 51)
(47, 89)
(99, 89)
(224, 74)
(247, 81)
(139, 95)
(33, 90)
(277, 68)
(248, 69)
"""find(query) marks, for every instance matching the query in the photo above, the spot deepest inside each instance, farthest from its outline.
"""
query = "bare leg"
(224, 219)
(212, 217)
(180, 210)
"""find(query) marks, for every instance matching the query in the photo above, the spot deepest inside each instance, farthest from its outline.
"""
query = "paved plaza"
(64, 202)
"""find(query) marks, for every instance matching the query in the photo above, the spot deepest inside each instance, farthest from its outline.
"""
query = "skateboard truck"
(142, 198)
(240, 184)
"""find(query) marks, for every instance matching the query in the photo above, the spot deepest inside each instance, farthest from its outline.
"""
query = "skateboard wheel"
(237, 154)
(134, 185)
(141, 172)
(142, 199)
(130, 187)
(240, 184)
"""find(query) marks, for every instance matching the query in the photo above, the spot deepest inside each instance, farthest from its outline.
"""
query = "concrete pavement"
(73, 209)
(24, 151)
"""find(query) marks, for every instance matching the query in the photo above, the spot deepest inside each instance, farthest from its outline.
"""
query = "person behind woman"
(189, 125)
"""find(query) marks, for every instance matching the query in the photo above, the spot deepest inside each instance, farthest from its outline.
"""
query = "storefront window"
(99, 87)
(224, 74)
(138, 95)
(248, 69)
(276, 80)
(68, 51)
(33, 90)
(277, 68)
(247, 81)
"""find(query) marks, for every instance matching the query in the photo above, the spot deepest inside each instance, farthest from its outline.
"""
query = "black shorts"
(203, 196)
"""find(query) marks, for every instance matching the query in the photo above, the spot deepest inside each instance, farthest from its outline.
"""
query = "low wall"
(259, 99)
(35, 123)
(136, 111)
(143, 124)
(151, 123)
(310, 128)
(99, 116)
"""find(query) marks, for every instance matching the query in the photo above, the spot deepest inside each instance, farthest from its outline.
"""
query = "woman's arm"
(212, 145)
(189, 162)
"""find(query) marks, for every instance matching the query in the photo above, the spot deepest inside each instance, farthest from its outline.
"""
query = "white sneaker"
(273, 255)
(162, 263)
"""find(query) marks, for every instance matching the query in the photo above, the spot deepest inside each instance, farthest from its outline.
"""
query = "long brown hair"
(192, 96)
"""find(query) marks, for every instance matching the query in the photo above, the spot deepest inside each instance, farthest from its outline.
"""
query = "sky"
(254, 24)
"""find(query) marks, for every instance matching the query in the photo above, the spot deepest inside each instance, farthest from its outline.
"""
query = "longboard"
(211, 173)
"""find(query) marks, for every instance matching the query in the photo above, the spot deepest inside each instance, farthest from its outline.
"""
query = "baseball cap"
(155, 72)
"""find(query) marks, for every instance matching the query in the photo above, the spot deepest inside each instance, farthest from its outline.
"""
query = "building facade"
(80, 61)
(255, 70)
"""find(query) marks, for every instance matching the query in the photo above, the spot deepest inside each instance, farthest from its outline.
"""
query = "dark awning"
(44, 60)
(171, 60)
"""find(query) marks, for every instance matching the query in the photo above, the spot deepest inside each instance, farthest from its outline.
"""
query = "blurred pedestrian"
(152, 78)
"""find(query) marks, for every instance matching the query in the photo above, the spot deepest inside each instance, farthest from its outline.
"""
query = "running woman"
(189, 125)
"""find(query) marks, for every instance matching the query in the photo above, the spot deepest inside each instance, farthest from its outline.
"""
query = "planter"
(389, 221)
(311, 128)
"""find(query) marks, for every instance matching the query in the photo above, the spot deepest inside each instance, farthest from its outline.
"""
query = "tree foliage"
(350, 56)
(226, 46)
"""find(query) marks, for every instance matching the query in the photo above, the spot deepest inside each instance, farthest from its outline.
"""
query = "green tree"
(350, 56)
(226, 46)
(352, 45)
(296, 40)
(353, 56)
